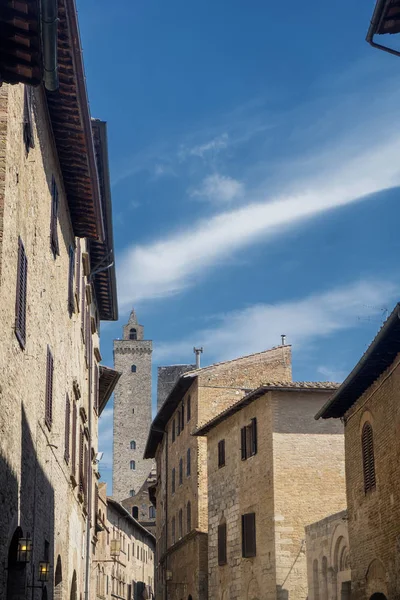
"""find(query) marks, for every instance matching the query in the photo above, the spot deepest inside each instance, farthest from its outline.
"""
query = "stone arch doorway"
(378, 596)
(74, 592)
(58, 580)
(16, 571)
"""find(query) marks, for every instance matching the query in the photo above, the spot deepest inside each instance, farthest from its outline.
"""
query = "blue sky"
(254, 156)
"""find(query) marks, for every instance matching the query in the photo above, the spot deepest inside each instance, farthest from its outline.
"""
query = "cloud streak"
(219, 188)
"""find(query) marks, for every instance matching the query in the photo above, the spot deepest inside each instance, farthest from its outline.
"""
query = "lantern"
(24, 550)
(44, 571)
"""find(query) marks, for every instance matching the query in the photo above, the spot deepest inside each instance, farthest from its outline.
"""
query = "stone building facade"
(55, 223)
(272, 469)
(369, 404)
(181, 492)
(123, 561)
(140, 505)
(132, 410)
(328, 558)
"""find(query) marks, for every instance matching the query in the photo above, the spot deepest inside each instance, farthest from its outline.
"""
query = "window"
(173, 431)
(20, 301)
(81, 466)
(180, 471)
(183, 417)
(221, 453)
(173, 481)
(249, 439)
(28, 122)
(178, 420)
(133, 368)
(368, 457)
(96, 388)
(135, 513)
(54, 219)
(78, 269)
(188, 517)
(152, 512)
(248, 535)
(180, 523)
(173, 530)
(49, 389)
(133, 445)
(71, 299)
(188, 465)
(315, 580)
(67, 428)
(188, 409)
(132, 465)
(74, 427)
(222, 543)
(132, 334)
(131, 493)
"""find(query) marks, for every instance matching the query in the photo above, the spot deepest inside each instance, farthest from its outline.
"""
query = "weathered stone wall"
(35, 483)
(141, 501)
(374, 517)
(166, 379)
(132, 412)
(327, 553)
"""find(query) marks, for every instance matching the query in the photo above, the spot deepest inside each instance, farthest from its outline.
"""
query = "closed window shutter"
(243, 442)
(180, 472)
(96, 501)
(28, 122)
(188, 465)
(183, 416)
(54, 219)
(368, 457)
(254, 436)
(222, 558)
(49, 389)
(173, 430)
(188, 517)
(96, 388)
(248, 535)
(81, 466)
(173, 481)
(78, 269)
(67, 428)
(188, 409)
(20, 301)
(71, 299)
(74, 427)
(87, 335)
(83, 312)
(221, 453)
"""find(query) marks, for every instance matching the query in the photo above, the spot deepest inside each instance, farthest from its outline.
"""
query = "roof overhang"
(378, 357)
(102, 256)
(385, 19)
(108, 379)
(157, 428)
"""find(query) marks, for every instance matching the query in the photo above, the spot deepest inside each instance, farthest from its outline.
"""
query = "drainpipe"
(49, 24)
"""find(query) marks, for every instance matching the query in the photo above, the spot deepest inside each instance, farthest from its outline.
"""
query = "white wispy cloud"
(173, 262)
(218, 188)
(303, 321)
(213, 146)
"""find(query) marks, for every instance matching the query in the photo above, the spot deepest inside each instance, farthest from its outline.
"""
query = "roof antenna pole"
(197, 352)
(283, 339)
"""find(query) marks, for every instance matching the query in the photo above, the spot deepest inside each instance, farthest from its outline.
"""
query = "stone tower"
(132, 410)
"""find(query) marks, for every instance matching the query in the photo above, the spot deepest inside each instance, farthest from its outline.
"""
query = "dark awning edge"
(385, 19)
(378, 357)
(108, 379)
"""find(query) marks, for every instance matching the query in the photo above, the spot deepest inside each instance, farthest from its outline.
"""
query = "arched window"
(133, 368)
(133, 334)
(180, 471)
(180, 523)
(324, 594)
(315, 580)
(368, 457)
(135, 512)
(188, 517)
(133, 445)
(132, 465)
(152, 512)
(74, 592)
(58, 582)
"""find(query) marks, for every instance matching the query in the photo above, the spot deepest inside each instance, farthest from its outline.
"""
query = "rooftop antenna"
(197, 352)
(283, 336)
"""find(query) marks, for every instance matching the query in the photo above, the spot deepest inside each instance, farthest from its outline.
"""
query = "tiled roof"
(290, 386)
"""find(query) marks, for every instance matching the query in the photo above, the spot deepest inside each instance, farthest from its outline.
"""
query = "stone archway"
(16, 571)
(58, 580)
(378, 596)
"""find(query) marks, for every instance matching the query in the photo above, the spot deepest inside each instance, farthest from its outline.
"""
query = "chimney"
(197, 352)
(283, 339)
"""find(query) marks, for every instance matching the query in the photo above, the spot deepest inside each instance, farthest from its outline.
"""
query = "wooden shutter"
(83, 312)
(173, 480)
(54, 219)
(49, 389)
(222, 544)
(67, 428)
(221, 453)
(78, 269)
(173, 430)
(96, 501)
(20, 301)
(96, 388)
(81, 466)
(74, 423)
(243, 443)
(368, 457)
(180, 472)
(28, 123)
(248, 535)
(183, 416)
(71, 299)
(253, 436)
(188, 465)
(178, 423)
(188, 517)
(188, 409)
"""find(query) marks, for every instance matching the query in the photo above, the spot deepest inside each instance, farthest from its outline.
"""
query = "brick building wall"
(296, 476)
(132, 411)
(374, 517)
(36, 489)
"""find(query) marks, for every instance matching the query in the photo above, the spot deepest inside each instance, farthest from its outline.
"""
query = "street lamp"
(24, 550)
(44, 571)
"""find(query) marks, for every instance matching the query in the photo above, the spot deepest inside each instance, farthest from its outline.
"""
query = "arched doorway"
(74, 592)
(378, 596)
(16, 571)
(58, 582)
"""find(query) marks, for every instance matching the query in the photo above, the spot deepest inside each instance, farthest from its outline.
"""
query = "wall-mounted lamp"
(44, 571)
(24, 551)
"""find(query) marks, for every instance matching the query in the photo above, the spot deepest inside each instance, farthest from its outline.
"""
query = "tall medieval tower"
(132, 410)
